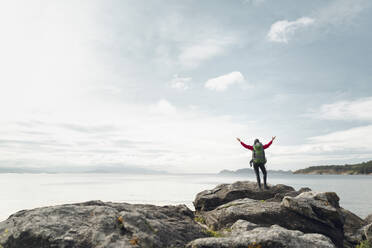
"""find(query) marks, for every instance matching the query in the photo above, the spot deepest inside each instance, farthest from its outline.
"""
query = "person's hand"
(273, 138)
(238, 139)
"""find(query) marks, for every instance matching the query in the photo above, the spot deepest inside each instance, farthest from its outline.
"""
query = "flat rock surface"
(255, 211)
(99, 224)
(210, 199)
(242, 226)
(272, 237)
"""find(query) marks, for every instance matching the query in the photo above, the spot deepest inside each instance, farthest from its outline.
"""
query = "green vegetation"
(212, 233)
(254, 245)
(364, 244)
(361, 168)
(199, 219)
(217, 234)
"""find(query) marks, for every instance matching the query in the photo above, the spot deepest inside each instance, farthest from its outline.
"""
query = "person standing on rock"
(258, 158)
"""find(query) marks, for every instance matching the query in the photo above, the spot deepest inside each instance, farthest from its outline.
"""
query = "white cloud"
(281, 31)
(357, 138)
(53, 114)
(195, 54)
(163, 107)
(158, 136)
(360, 109)
(338, 147)
(180, 82)
(221, 83)
(336, 14)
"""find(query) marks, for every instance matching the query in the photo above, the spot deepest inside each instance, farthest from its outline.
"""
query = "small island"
(364, 168)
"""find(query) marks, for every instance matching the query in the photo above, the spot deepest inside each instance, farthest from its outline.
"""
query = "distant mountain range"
(101, 169)
(364, 168)
(250, 171)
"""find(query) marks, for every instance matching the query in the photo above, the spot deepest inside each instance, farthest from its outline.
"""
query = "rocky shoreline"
(228, 216)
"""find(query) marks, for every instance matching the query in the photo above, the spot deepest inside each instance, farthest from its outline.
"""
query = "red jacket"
(251, 147)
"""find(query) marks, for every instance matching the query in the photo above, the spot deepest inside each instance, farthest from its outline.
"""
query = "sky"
(169, 85)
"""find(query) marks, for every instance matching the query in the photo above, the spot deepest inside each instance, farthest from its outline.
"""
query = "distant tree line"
(361, 168)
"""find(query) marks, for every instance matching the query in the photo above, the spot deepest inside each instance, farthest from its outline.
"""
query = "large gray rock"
(255, 211)
(368, 219)
(323, 207)
(273, 237)
(99, 224)
(210, 199)
(352, 221)
(352, 226)
(356, 229)
(367, 232)
(364, 233)
(308, 212)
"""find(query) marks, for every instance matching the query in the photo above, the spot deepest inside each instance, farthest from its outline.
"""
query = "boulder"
(309, 212)
(364, 233)
(367, 232)
(352, 227)
(368, 219)
(255, 211)
(352, 221)
(210, 199)
(99, 224)
(323, 207)
(268, 237)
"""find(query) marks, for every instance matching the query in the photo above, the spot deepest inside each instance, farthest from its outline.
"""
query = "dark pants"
(263, 169)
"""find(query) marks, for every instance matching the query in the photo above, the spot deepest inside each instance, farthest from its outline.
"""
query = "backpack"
(258, 153)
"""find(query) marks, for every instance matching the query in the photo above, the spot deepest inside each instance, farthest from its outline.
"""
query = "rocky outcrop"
(303, 210)
(303, 213)
(210, 199)
(230, 215)
(268, 237)
(99, 224)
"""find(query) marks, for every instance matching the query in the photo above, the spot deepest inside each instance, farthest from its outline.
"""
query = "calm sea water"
(26, 191)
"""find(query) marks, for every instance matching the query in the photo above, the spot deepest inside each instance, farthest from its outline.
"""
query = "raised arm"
(245, 145)
(269, 144)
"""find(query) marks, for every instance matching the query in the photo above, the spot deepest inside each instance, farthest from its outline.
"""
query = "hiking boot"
(266, 187)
